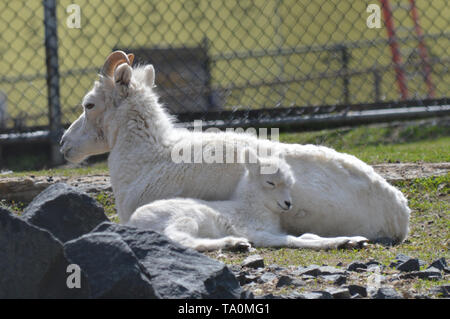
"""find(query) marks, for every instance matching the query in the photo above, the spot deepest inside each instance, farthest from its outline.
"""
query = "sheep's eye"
(89, 106)
(270, 183)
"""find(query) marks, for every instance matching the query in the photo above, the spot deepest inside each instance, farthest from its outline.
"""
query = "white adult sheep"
(252, 214)
(335, 194)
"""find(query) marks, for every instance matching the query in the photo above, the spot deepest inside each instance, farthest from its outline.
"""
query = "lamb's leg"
(186, 233)
(307, 241)
(350, 242)
(208, 244)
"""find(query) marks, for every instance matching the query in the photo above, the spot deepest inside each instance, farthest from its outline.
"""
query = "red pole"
(396, 57)
(422, 49)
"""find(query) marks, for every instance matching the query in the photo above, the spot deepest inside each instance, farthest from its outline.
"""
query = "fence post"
(51, 59)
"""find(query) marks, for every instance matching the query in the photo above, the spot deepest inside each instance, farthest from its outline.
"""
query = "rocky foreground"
(64, 246)
(356, 280)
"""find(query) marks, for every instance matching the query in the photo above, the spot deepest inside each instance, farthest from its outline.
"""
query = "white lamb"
(335, 194)
(251, 215)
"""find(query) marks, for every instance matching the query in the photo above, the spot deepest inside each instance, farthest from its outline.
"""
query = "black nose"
(288, 204)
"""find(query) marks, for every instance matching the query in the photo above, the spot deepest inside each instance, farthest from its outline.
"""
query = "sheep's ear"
(122, 75)
(122, 79)
(149, 75)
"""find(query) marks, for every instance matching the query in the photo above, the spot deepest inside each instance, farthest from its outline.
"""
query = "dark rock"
(285, 280)
(407, 262)
(441, 291)
(32, 262)
(315, 270)
(253, 261)
(355, 289)
(112, 268)
(385, 241)
(177, 271)
(64, 211)
(372, 262)
(235, 268)
(311, 270)
(440, 264)
(247, 294)
(387, 293)
(430, 273)
(411, 264)
(356, 265)
(275, 267)
(339, 293)
(335, 279)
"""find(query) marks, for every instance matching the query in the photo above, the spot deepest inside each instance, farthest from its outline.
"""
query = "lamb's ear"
(149, 75)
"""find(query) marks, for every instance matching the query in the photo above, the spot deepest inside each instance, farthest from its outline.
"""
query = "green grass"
(381, 144)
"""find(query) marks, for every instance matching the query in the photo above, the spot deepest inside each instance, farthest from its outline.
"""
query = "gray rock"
(311, 270)
(356, 266)
(356, 289)
(335, 279)
(253, 261)
(64, 211)
(387, 293)
(328, 270)
(372, 262)
(285, 280)
(112, 268)
(177, 272)
(430, 273)
(440, 264)
(32, 262)
(374, 268)
(267, 277)
(275, 267)
(342, 293)
(315, 295)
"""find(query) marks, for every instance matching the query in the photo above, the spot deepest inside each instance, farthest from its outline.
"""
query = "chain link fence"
(235, 58)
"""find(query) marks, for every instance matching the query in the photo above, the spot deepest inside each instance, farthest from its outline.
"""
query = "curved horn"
(113, 60)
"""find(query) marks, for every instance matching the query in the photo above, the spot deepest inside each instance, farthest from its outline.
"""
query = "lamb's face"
(275, 187)
(88, 135)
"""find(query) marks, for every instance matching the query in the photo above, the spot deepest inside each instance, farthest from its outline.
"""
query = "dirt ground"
(24, 189)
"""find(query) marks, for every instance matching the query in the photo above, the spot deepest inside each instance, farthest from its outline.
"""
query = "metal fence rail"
(227, 60)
